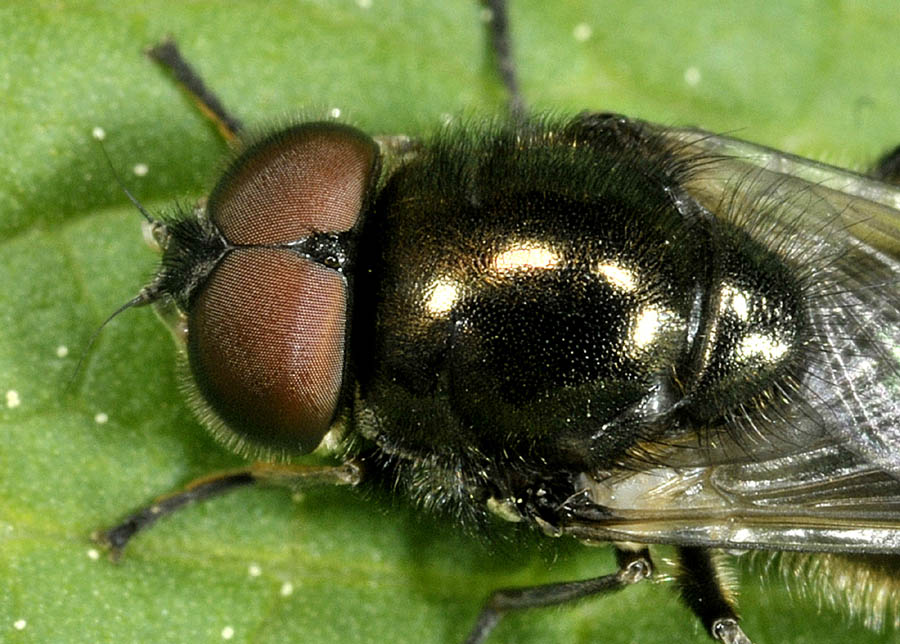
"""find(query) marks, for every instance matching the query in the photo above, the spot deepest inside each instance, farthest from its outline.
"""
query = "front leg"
(219, 483)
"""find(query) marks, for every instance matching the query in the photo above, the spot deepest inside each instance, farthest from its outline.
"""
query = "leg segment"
(701, 588)
(633, 567)
(503, 58)
(887, 168)
(207, 487)
(168, 55)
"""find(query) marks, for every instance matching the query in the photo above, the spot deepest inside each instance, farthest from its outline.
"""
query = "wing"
(823, 500)
(824, 476)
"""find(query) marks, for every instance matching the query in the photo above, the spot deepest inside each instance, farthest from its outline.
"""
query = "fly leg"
(168, 56)
(702, 589)
(633, 567)
(501, 45)
(207, 487)
(887, 168)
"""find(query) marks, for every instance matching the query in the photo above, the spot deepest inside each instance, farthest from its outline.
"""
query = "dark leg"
(117, 537)
(167, 55)
(888, 167)
(502, 48)
(702, 590)
(633, 567)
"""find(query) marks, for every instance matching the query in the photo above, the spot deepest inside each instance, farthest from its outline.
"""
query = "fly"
(595, 326)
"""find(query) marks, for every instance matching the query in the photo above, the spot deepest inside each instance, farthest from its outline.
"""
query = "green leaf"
(80, 449)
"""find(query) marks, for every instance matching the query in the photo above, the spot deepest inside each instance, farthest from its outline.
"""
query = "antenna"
(147, 294)
(99, 135)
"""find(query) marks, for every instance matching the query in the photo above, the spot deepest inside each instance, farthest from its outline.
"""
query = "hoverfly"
(751, 178)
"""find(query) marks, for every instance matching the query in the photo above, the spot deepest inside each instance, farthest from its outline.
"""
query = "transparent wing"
(825, 475)
(824, 499)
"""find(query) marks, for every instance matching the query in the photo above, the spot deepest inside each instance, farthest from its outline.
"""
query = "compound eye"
(311, 178)
(266, 331)
(266, 346)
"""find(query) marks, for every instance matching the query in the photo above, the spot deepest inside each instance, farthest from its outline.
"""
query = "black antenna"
(147, 294)
(99, 135)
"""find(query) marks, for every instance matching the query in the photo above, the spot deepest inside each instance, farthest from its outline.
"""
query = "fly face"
(597, 609)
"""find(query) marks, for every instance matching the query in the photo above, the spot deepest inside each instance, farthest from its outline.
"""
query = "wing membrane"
(824, 499)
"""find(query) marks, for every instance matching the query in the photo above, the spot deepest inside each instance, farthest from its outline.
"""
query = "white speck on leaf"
(12, 399)
(582, 32)
(692, 76)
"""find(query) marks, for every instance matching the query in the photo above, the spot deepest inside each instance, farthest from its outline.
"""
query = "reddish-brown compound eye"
(266, 330)
(310, 178)
(266, 346)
